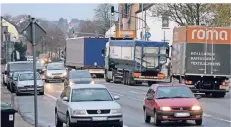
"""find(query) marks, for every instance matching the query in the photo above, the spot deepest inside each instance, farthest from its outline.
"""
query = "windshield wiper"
(99, 100)
(180, 97)
(163, 97)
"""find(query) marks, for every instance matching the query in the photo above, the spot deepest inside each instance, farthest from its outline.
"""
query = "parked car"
(13, 80)
(16, 66)
(55, 71)
(171, 102)
(78, 77)
(25, 83)
(29, 58)
(87, 104)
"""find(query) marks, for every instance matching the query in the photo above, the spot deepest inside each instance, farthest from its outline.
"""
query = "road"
(216, 111)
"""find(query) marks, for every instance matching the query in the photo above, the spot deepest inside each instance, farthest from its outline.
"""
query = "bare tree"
(183, 14)
(102, 17)
(87, 27)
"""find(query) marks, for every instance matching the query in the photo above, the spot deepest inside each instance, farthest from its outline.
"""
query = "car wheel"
(58, 123)
(156, 121)
(18, 93)
(147, 118)
(47, 81)
(119, 125)
(198, 122)
(69, 124)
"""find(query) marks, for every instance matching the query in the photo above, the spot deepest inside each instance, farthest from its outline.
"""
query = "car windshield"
(21, 67)
(55, 67)
(28, 76)
(80, 74)
(174, 92)
(90, 94)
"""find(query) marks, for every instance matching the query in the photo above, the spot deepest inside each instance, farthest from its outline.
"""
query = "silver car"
(25, 83)
(55, 71)
(87, 104)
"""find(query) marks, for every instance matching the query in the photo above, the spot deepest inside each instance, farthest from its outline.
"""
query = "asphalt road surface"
(216, 110)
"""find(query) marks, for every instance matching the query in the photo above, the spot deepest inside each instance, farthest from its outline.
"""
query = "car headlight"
(49, 74)
(92, 82)
(42, 61)
(116, 111)
(165, 108)
(79, 112)
(196, 108)
(65, 73)
(71, 83)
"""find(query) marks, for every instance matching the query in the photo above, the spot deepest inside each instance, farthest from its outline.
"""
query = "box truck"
(136, 61)
(85, 53)
(201, 58)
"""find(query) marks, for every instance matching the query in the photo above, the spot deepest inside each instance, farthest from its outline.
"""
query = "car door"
(64, 104)
(59, 105)
(148, 102)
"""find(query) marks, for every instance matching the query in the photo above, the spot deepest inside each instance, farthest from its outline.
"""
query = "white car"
(25, 83)
(55, 71)
(85, 104)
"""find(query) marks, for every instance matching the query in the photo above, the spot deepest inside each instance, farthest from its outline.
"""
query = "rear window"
(28, 76)
(80, 74)
(21, 66)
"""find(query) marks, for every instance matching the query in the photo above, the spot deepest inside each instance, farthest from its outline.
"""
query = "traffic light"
(112, 10)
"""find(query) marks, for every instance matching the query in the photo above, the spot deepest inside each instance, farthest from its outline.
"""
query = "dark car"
(78, 77)
(12, 67)
(171, 102)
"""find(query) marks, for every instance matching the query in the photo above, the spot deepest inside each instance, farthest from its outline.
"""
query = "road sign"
(147, 34)
(39, 32)
(124, 33)
(147, 28)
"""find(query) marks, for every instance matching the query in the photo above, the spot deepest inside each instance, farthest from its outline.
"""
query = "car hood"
(93, 105)
(56, 71)
(176, 102)
(30, 82)
(82, 80)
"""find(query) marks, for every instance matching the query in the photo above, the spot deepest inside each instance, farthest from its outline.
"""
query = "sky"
(51, 11)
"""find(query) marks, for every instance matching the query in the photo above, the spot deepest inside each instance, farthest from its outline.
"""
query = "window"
(80, 74)
(28, 76)
(90, 94)
(55, 67)
(174, 92)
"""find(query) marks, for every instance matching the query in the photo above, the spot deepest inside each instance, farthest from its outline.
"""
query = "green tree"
(21, 48)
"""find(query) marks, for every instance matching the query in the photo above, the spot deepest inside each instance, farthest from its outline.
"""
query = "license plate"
(57, 76)
(99, 118)
(30, 88)
(223, 87)
(182, 114)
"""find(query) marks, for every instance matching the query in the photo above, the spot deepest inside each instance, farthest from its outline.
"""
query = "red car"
(171, 102)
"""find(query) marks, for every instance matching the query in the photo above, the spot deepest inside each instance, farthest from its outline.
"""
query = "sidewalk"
(6, 97)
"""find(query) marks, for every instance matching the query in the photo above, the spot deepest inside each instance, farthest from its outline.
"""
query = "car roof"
(79, 86)
(79, 70)
(18, 62)
(24, 72)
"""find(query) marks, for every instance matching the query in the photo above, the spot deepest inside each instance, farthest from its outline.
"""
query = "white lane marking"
(217, 118)
(52, 97)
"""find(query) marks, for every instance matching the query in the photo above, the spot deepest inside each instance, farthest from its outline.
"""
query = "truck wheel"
(114, 79)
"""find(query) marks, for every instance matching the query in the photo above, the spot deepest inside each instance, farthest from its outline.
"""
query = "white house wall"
(155, 25)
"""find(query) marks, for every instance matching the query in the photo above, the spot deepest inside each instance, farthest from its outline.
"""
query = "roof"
(79, 86)
(167, 85)
(26, 72)
(18, 62)
(138, 43)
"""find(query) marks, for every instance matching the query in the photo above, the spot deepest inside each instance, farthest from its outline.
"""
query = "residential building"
(154, 23)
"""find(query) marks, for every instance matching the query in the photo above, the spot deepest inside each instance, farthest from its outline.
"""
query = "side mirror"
(198, 96)
(149, 97)
(116, 97)
(65, 99)
(102, 52)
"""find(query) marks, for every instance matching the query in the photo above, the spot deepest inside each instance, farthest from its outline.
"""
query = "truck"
(85, 53)
(136, 61)
(201, 58)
